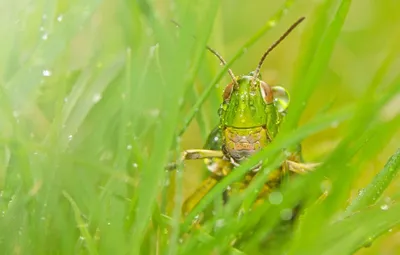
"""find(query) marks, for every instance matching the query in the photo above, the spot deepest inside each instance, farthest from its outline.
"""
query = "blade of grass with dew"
(367, 110)
(374, 190)
(27, 78)
(316, 58)
(88, 98)
(358, 231)
(176, 215)
(267, 26)
(148, 187)
(319, 214)
(81, 225)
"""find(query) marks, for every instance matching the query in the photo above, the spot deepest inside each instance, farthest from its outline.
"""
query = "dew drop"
(129, 147)
(153, 49)
(272, 23)
(16, 114)
(220, 223)
(69, 137)
(388, 200)
(368, 242)
(60, 18)
(45, 36)
(135, 165)
(46, 73)
(96, 97)
(385, 207)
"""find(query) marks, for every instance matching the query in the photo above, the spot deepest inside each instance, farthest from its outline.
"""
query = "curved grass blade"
(357, 231)
(149, 187)
(316, 58)
(27, 79)
(374, 190)
(82, 225)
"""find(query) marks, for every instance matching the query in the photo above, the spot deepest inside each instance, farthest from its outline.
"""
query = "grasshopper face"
(250, 117)
(245, 103)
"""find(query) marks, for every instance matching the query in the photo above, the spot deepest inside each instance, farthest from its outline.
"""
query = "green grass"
(96, 97)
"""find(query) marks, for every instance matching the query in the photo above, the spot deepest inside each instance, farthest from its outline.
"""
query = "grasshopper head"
(252, 102)
(250, 115)
(245, 103)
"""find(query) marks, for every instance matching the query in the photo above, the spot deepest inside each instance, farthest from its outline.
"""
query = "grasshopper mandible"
(250, 116)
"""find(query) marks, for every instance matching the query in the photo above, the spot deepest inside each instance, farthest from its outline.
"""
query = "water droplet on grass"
(368, 242)
(385, 207)
(46, 73)
(96, 97)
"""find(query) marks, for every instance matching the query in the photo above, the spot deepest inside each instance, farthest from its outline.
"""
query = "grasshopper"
(250, 116)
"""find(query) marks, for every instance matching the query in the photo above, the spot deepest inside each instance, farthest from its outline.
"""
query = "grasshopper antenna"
(224, 63)
(273, 46)
(221, 59)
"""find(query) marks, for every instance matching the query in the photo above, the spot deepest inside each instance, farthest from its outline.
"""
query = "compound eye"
(266, 92)
(227, 92)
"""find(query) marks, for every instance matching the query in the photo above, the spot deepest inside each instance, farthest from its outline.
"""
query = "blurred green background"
(94, 92)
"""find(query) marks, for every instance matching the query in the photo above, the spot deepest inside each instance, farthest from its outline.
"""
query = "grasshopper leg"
(195, 154)
(200, 192)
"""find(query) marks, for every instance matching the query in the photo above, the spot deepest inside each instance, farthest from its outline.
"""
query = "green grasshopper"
(250, 116)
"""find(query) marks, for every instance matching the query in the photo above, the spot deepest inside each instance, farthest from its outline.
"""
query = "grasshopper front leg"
(195, 154)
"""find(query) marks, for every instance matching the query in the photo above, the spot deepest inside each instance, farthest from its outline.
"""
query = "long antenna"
(276, 43)
(223, 62)
(221, 59)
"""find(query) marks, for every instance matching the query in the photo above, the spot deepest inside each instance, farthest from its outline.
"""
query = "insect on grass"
(250, 116)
